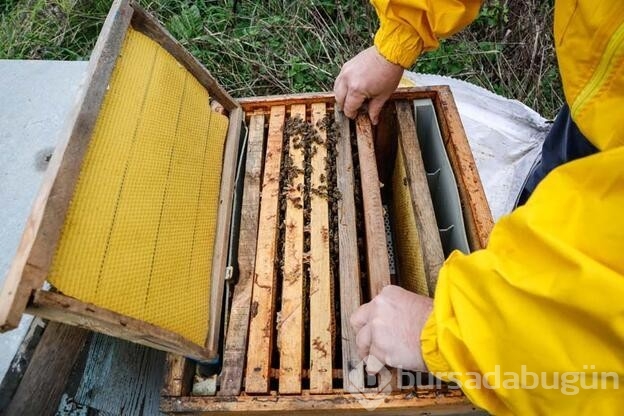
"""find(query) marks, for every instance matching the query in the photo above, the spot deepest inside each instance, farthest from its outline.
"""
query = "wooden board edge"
(349, 265)
(43, 227)
(222, 234)
(377, 257)
(320, 309)
(261, 325)
(479, 221)
(235, 349)
(20, 361)
(377, 249)
(178, 376)
(430, 403)
(253, 103)
(61, 308)
(147, 24)
(290, 338)
(53, 359)
(422, 203)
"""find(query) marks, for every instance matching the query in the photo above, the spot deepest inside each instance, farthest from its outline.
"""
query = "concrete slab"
(35, 99)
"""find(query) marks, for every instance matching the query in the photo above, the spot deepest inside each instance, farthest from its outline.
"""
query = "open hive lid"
(132, 222)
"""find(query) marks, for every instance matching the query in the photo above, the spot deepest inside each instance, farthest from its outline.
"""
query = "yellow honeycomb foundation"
(139, 234)
(406, 236)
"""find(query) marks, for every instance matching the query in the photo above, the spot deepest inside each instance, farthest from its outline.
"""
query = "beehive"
(325, 213)
(314, 245)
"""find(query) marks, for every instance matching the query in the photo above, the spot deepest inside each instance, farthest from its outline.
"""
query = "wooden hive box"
(303, 216)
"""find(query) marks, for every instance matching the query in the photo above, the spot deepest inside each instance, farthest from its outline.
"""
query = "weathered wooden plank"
(57, 307)
(376, 247)
(178, 376)
(321, 331)
(43, 228)
(121, 378)
(290, 327)
(222, 233)
(147, 24)
(431, 246)
(477, 214)
(425, 400)
(349, 273)
(236, 339)
(44, 381)
(305, 373)
(19, 363)
(262, 307)
(253, 103)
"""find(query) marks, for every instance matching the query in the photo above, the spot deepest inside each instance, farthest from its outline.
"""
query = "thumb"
(373, 364)
(374, 108)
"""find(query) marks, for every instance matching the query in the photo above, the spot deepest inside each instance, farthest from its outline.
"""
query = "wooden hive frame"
(23, 289)
(245, 385)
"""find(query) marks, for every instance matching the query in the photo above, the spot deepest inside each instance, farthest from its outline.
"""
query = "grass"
(509, 50)
(274, 47)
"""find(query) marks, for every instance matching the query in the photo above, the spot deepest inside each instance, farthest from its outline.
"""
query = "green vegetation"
(509, 50)
(274, 47)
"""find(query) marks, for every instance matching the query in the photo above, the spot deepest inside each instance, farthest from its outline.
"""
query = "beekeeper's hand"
(388, 328)
(367, 76)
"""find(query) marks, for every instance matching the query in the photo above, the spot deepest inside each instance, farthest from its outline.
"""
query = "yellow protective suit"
(546, 297)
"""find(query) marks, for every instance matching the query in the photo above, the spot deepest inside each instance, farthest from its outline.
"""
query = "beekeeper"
(546, 297)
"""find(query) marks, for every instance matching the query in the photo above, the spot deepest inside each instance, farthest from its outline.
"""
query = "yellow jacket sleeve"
(545, 299)
(407, 27)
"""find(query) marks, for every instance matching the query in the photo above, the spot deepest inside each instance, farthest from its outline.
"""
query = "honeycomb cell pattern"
(139, 235)
(407, 240)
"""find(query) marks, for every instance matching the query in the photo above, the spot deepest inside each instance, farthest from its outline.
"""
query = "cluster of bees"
(304, 136)
(333, 195)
